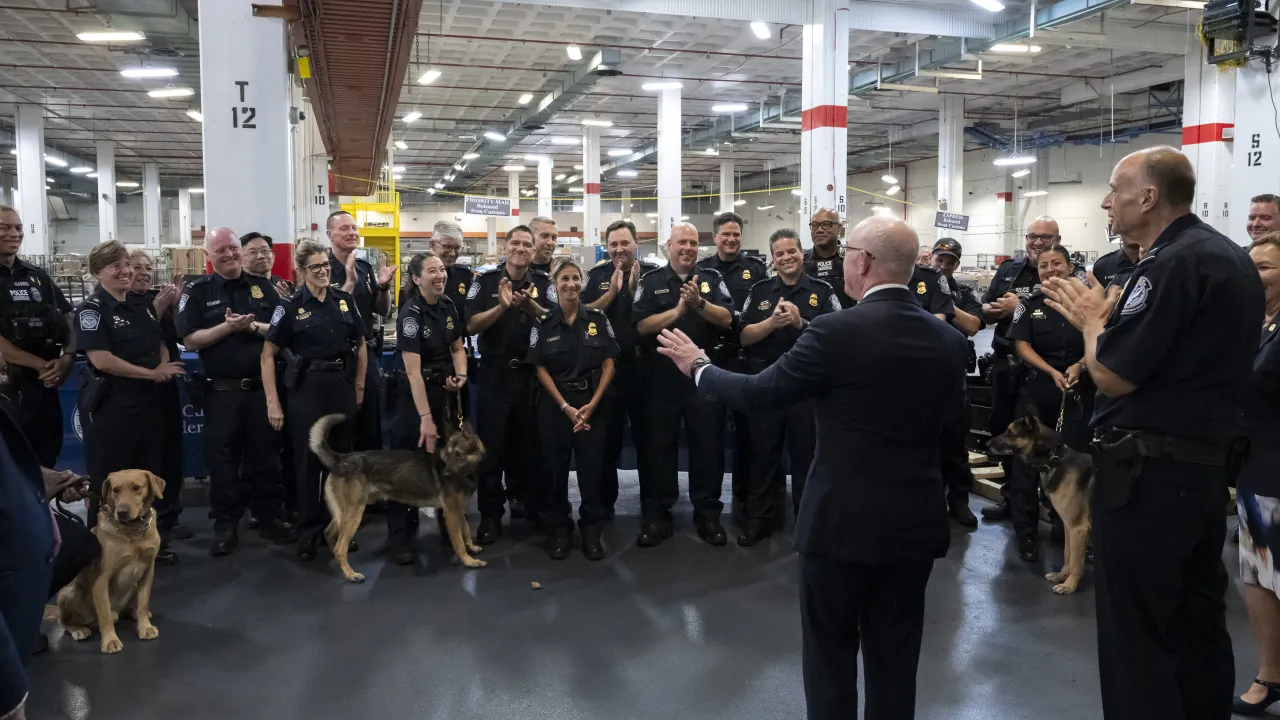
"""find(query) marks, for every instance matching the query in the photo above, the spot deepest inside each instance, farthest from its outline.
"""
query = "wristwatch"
(697, 364)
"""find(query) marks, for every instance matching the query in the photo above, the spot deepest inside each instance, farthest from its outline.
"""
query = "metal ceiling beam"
(1130, 38)
(1086, 90)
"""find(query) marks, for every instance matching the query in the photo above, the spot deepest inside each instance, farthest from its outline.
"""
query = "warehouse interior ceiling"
(490, 53)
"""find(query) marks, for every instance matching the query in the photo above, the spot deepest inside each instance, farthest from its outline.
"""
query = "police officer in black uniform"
(258, 251)
(36, 342)
(774, 314)
(610, 287)
(825, 260)
(697, 301)
(322, 327)
(372, 293)
(224, 317)
(1173, 353)
(1054, 383)
(503, 304)
(121, 403)
(446, 243)
(546, 238)
(431, 363)
(1114, 267)
(967, 318)
(573, 348)
(1014, 281)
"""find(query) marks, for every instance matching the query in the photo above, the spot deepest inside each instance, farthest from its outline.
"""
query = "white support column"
(245, 100)
(1208, 124)
(825, 105)
(151, 224)
(590, 190)
(182, 233)
(951, 158)
(513, 194)
(544, 186)
(1257, 145)
(669, 178)
(626, 206)
(491, 227)
(33, 203)
(106, 190)
(727, 187)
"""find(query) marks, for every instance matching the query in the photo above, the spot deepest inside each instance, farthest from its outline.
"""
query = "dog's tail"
(319, 439)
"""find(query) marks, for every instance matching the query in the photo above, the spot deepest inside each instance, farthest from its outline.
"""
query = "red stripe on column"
(515, 211)
(591, 189)
(1209, 132)
(824, 116)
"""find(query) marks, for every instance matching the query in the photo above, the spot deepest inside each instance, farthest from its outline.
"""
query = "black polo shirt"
(812, 296)
(316, 329)
(659, 291)
(1019, 277)
(932, 291)
(571, 352)
(508, 338)
(1111, 266)
(365, 290)
(130, 330)
(1050, 335)
(1184, 333)
(966, 299)
(619, 311)
(541, 267)
(429, 331)
(456, 281)
(31, 310)
(204, 304)
(830, 270)
(740, 274)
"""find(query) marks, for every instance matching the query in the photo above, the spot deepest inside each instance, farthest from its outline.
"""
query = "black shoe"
(280, 532)
(961, 513)
(166, 556)
(252, 522)
(998, 512)
(224, 541)
(653, 532)
(561, 541)
(1088, 554)
(753, 531)
(353, 547)
(307, 548)
(517, 510)
(591, 546)
(1028, 550)
(400, 552)
(180, 532)
(712, 532)
(1240, 707)
(489, 530)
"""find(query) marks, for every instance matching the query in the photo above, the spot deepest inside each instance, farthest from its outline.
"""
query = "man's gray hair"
(446, 229)
(541, 220)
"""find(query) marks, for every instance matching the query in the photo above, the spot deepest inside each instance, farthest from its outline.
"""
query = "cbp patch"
(182, 302)
(1017, 314)
(89, 320)
(835, 303)
(724, 289)
(275, 316)
(942, 283)
(533, 337)
(410, 327)
(474, 291)
(552, 295)
(1137, 301)
(639, 291)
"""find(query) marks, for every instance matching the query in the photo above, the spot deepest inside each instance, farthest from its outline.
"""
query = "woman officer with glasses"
(322, 327)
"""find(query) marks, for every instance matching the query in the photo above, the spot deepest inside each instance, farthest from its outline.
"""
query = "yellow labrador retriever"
(119, 580)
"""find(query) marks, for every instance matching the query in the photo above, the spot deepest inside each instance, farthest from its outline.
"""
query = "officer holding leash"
(1173, 353)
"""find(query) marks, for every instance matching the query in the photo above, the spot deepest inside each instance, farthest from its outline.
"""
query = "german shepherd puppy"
(444, 480)
(1067, 478)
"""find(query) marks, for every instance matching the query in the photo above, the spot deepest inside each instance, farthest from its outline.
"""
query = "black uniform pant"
(1039, 393)
(560, 446)
(238, 435)
(878, 608)
(507, 426)
(171, 456)
(674, 399)
(956, 473)
(128, 436)
(1004, 405)
(367, 424)
(1163, 647)
(79, 548)
(625, 406)
(402, 520)
(795, 428)
(320, 393)
(38, 412)
(288, 471)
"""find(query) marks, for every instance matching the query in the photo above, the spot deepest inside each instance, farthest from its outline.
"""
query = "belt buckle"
(513, 363)
(246, 383)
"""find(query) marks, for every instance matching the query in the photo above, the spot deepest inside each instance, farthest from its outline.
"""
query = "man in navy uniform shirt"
(825, 260)
(1114, 267)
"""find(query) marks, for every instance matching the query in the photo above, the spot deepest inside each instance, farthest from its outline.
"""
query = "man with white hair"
(862, 573)
(446, 243)
(697, 301)
(546, 238)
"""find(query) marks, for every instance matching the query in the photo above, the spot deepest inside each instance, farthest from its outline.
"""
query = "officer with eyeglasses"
(1015, 280)
(446, 243)
(825, 260)
(259, 258)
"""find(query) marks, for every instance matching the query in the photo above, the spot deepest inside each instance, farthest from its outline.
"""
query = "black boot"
(561, 541)
(400, 550)
(307, 547)
(960, 512)
(1028, 549)
(653, 532)
(252, 522)
(180, 532)
(280, 532)
(225, 540)
(998, 512)
(591, 545)
(712, 532)
(753, 531)
(489, 530)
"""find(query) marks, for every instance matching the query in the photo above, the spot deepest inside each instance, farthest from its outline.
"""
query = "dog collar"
(133, 526)
(1055, 457)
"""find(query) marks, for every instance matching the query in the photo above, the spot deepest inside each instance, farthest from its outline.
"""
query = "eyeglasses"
(317, 269)
(449, 246)
(824, 225)
(1031, 237)
(263, 252)
(861, 250)
(118, 267)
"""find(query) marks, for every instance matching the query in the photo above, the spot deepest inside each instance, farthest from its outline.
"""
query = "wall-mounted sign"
(951, 221)
(481, 205)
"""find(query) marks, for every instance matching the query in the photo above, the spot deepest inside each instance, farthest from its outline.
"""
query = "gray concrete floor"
(684, 630)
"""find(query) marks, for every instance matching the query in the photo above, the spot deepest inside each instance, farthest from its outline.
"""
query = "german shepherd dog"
(1067, 478)
(444, 480)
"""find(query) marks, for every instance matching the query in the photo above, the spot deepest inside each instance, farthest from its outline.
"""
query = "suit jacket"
(888, 379)
(1262, 418)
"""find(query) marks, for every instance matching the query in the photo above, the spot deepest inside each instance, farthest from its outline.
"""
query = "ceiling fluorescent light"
(525, 99)
(398, 168)
(1013, 48)
(1035, 193)
(988, 5)
(1021, 173)
(764, 207)
(664, 85)
(711, 151)
(619, 152)
(111, 36)
(1014, 160)
(56, 162)
(402, 145)
(893, 190)
(889, 178)
(761, 30)
(575, 52)
(92, 175)
(535, 158)
(561, 140)
(412, 116)
(729, 108)
(431, 190)
(459, 166)
(495, 136)
(439, 184)
(575, 190)
(597, 123)
(397, 176)
(126, 184)
(796, 192)
(81, 170)
(148, 72)
(577, 167)
(196, 191)
(429, 77)
(627, 173)
(513, 168)
(471, 156)
(171, 92)
(652, 215)
(739, 202)
(48, 179)
(195, 115)
(560, 177)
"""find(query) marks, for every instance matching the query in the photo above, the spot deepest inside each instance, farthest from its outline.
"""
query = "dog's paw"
(148, 632)
(355, 577)
(79, 632)
(474, 563)
(1055, 577)
(1066, 588)
(111, 645)
(474, 549)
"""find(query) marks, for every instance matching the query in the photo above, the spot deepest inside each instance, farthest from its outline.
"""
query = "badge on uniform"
(813, 300)
(533, 291)
(746, 274)
(449, 323)
(255, 292)
(1272, 328)
(706, 287)
(764, 305)
(604, 285)
(1037, 314)
(342, 305)
(89, 320)
(920, 289)
(462, 287)
(591, 329)
(303, 315)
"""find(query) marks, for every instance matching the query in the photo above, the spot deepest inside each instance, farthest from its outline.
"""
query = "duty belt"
(231, 384)
(580, 385)
(328, 365)
(1152, 445)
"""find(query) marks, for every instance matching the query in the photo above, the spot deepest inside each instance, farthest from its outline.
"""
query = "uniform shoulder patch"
(410, 327)
(275, 316)
(533, 337)
(835, 303)
(1019, 312)
(1137, 301)
(942, 283)
(182, 302)
(89, 320)
(473, 292)
(552, 295)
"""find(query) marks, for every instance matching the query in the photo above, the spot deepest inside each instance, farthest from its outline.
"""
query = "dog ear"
(105, 493)
(1031, 412)
(157, 484)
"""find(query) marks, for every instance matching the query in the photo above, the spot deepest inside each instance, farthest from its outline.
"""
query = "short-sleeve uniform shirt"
(1048, 332)
(29, 296)
(429, 330)
(1112, 268)
(1016, 276)
(812, 296)
(619, 311)
(571, 352)
(829, 270)
(365, 290)
(659, 291)
(932, 291)
(508, 338)
(204, 304)
(457, 280)
(317, 329)
(128, 329)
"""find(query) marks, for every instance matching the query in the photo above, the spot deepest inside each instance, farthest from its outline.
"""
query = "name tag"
(663, 290)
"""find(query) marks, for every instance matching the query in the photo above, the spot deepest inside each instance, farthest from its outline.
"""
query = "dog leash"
(457, 401)
(1062, 412)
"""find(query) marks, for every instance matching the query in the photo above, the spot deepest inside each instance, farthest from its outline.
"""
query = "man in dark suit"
(888, 380)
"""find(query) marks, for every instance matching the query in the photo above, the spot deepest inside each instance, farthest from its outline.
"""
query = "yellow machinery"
(378, 218)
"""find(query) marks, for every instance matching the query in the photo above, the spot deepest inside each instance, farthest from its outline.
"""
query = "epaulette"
(823, 283)
(758, 283)
(192, 282)
(464, 267)
(930, 270)
(605, 261)
(489, 271)
(650, 272)
(536, 271)
(591, 310)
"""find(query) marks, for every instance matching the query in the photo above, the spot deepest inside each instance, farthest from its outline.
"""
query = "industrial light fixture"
(1014, 160)
(619, 152)
(893, 190)
(471, 156)
(663, 85)
(577, 167)
(1035, 193)
(591, 122)
(729, 108)
(739, 202)
(81, 170)
(428, 77)
(48, 179)
(684, 217)
(439, 184)
(431, 191)
(575, 189)
(526, 193)
(889, 179)
(196, 191)
(92, 175)
(1021, 173)
(459, 166)
(574, 52)
(495, 136)
(1013, 48)
(148, 71)
(627, 173)
(761, 30)
(172, 92)
(536, 158)
(398, 169)
(195, 115)
(562, 140)
(54, 161)
(560, 177)
(796, 192)
(397, 176)
(879, 209)
(711, 151)
(572, 178)
(126, 184)
(525, 99)
(402, 145)
(413, 116)
(513, 168)
(988, 5)
(110, 36)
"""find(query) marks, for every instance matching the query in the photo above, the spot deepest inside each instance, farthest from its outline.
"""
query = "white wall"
(81, 234)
